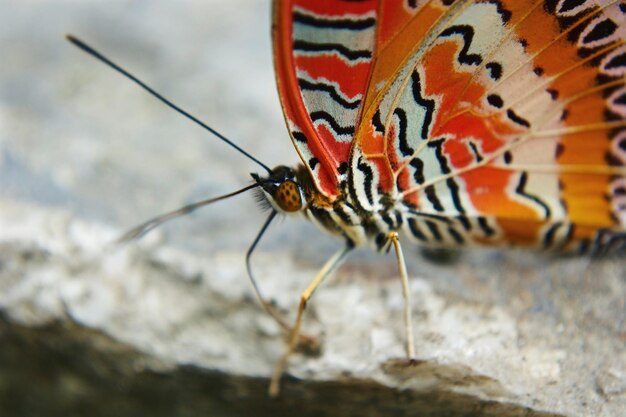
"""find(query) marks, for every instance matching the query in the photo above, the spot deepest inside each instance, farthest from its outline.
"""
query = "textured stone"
(169, 325)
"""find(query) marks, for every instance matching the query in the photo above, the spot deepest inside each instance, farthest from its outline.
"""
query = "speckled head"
(282, 190)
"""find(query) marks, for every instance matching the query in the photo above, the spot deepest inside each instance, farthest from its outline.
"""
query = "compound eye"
(288, 197)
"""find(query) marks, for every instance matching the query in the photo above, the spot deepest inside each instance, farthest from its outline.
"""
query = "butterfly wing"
(507, 116)
(323, 53)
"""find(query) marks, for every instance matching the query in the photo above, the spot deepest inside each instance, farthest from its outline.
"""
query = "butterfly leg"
(328, 267)
(307, 341)
(408, 322)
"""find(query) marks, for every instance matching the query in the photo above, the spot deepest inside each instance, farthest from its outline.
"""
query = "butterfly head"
(282, 190)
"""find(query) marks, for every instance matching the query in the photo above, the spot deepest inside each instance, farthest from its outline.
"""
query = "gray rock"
(169, 325)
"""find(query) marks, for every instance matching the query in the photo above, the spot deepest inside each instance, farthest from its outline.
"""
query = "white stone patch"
(542, 364)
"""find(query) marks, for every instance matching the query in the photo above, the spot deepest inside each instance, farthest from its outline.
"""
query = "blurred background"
(76, 135)
(79, 139)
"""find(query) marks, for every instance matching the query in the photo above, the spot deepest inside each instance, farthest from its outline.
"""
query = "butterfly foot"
(413, 362)
(306, 344)
(403, 366)
(309, 345)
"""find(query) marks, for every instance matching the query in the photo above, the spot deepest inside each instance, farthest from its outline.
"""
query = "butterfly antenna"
(88, 49)
(147, 226)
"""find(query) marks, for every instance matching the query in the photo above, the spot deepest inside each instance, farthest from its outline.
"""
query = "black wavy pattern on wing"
(330, 89)
(352, 55)
(322, 23)
(467, 32)
(336, 127)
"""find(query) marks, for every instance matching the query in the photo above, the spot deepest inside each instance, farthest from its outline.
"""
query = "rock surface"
(169, 325)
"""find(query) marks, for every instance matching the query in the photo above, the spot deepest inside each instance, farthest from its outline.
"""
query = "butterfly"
(455, 123)
(448, 123)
